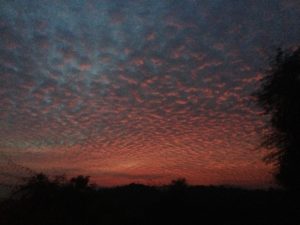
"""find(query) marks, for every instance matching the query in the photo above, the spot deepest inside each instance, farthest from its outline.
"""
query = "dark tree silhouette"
(178, 184)
(47, 200)
(279, 96)
(80, 182)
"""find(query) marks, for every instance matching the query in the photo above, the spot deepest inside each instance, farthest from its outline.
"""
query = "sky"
(141, 91)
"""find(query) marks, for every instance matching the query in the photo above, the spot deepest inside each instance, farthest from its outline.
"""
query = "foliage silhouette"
(279, 96)
(80, 182)
(57, 201)
(179, 183)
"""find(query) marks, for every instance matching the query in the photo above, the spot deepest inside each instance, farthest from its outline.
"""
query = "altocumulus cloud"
(138, 90)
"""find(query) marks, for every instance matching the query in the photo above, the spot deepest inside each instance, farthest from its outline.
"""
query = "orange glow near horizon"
(138, 91)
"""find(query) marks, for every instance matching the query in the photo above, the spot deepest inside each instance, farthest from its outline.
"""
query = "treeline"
(59, 201)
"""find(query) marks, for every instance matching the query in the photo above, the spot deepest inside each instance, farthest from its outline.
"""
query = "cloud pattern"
(138, 91)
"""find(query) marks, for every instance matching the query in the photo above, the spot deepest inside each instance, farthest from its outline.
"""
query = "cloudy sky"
(138, 90)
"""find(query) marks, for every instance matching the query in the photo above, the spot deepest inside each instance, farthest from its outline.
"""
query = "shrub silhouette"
(180, 182)
(80, 182)
(178, 185)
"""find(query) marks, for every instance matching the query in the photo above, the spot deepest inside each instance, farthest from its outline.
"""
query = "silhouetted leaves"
(80, 182)
(44, 200)
(279, 96)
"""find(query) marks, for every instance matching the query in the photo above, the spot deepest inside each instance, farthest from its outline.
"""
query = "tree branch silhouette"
(279, 97)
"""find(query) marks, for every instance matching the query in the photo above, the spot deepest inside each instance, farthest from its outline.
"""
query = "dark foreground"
(45, 202)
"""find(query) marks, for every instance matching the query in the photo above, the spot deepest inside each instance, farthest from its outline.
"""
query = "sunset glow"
(138, 91)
